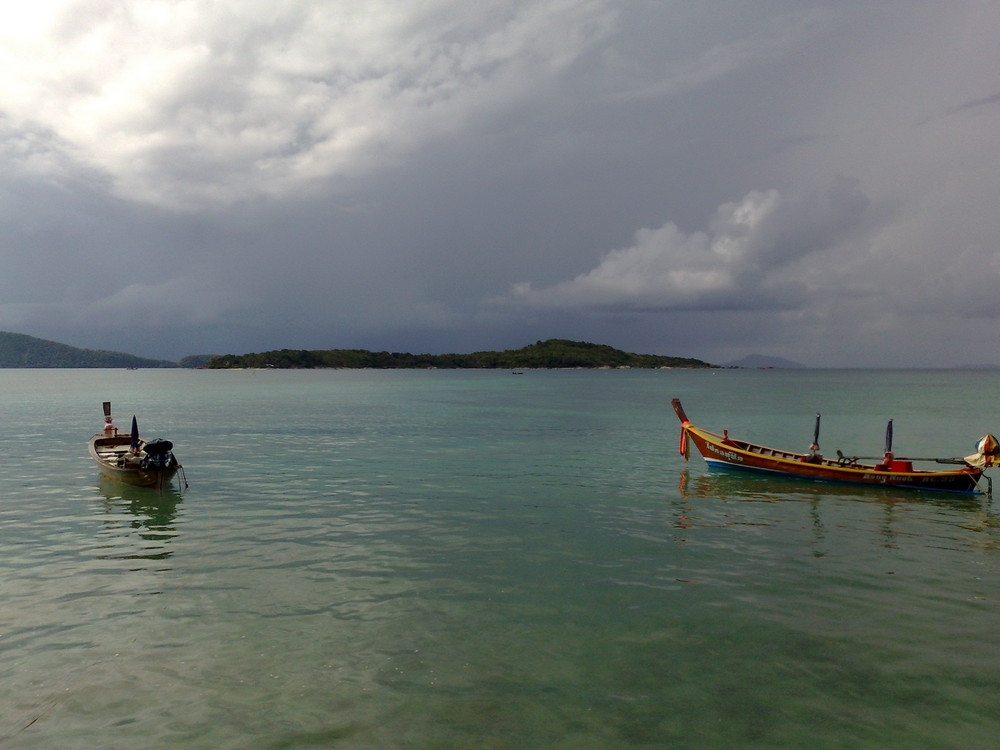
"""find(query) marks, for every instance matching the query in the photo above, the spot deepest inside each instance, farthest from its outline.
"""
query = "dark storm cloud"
(976, 104)
(447, 176)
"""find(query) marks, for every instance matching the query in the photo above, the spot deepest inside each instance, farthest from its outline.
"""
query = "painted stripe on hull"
(932, 486)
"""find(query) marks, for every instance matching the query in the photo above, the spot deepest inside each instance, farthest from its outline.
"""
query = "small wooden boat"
(889, 471)
(128, 458)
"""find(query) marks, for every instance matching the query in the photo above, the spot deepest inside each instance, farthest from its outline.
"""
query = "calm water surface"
(474, 560)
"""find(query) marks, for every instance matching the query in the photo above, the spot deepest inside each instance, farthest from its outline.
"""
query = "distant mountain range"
(759, 361)
(18, 350)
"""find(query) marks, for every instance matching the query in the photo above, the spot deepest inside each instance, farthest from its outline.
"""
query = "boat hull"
(110, 455)
(719, 451)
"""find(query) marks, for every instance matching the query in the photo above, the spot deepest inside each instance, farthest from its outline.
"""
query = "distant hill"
(195, 360)
(554, 353)
(759, 361)
(18, 350)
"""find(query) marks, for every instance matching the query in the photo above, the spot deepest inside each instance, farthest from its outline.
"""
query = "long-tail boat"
(129, 458)
(889, 471)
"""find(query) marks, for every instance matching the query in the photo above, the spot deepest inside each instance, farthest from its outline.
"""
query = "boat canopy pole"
(888, 451)
(912, 458)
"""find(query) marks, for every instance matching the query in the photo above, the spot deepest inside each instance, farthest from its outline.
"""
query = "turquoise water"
(448, 559)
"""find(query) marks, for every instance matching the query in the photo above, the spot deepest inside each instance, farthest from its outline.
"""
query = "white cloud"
(193, 101)
(747, 258)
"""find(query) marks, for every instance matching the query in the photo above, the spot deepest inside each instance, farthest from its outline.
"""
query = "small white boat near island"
(128, 458)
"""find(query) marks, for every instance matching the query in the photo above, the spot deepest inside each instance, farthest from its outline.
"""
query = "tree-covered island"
(553, 354)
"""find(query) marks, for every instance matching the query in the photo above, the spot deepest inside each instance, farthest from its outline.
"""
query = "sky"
(814, 180)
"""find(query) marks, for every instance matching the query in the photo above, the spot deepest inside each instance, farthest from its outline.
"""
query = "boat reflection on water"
(735, 484)
(138, 522)
(829, 505)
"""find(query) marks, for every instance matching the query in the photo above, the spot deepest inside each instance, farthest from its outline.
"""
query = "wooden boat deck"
(817, 459)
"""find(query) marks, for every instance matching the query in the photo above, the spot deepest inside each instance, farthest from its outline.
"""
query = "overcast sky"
(812, 180)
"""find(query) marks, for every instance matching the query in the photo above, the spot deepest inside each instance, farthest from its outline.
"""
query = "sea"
(488, 559)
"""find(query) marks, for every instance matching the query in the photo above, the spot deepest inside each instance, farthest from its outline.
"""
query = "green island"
(552, 354)
(20, 350)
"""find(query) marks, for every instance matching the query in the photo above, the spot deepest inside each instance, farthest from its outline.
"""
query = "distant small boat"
(723, 451)
(131, 459)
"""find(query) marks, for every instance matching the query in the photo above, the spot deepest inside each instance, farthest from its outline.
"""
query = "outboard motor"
(158, 455)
